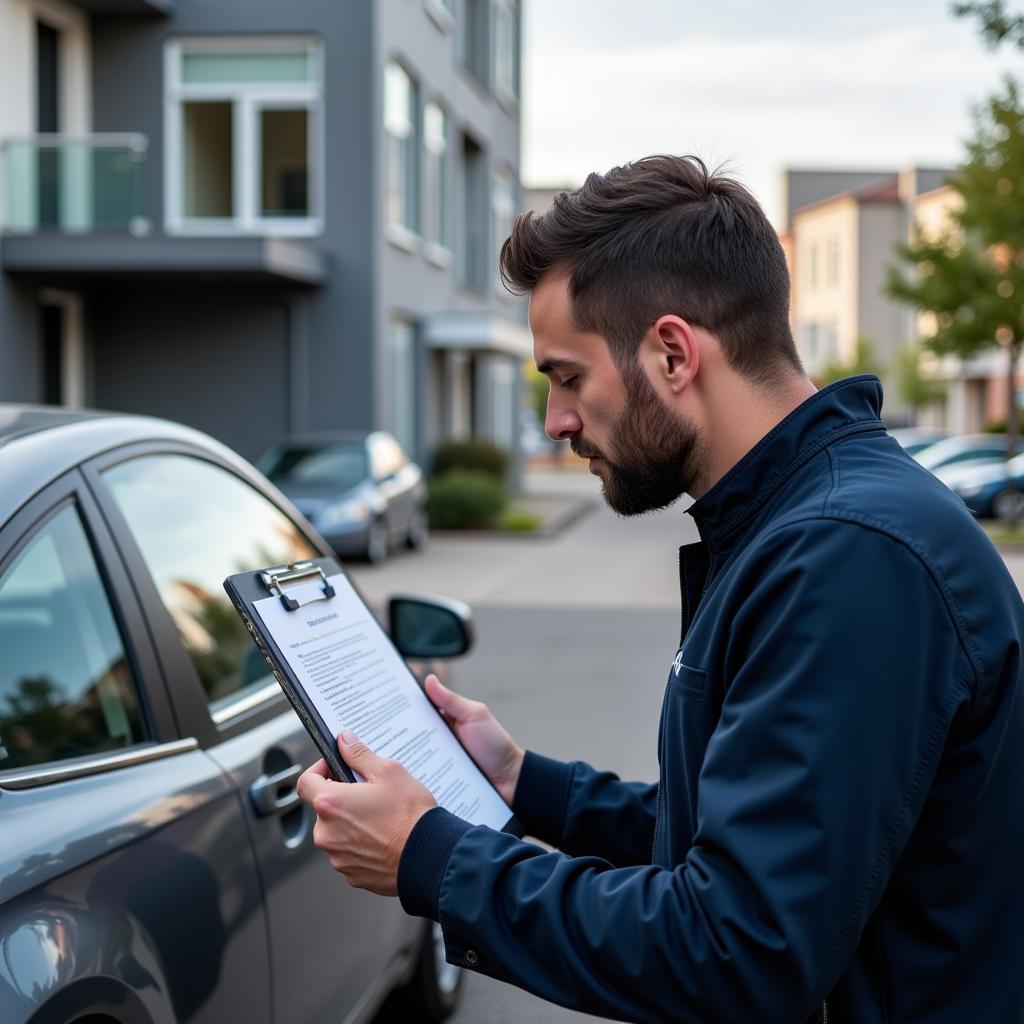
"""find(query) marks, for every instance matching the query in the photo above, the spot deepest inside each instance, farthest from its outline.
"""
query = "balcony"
(73, 185)
(74, 208)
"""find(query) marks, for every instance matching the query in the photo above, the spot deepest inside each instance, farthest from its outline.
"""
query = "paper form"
(357, 680)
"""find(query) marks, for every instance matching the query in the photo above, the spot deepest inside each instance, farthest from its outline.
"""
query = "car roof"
(39, 444)
(325, 437)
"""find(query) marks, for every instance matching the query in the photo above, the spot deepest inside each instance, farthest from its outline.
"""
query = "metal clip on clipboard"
(279, 577)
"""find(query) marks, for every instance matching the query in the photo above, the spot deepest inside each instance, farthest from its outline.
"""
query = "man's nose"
(561, 423)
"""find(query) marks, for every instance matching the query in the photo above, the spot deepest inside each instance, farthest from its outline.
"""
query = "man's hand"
(364, 827)
(498, 756)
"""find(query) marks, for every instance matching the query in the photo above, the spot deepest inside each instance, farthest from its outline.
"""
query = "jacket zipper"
(685, 626)
(824, 1011)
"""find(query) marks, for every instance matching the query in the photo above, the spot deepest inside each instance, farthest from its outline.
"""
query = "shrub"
(473, 453)
(523, 522)
(465, 499)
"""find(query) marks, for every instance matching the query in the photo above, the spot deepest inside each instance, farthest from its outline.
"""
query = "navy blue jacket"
(839, 814)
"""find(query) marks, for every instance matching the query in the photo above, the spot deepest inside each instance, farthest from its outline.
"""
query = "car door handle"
(264, 792)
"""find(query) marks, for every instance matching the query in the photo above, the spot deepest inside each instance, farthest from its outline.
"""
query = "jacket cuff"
(425, 859)
(541, 795)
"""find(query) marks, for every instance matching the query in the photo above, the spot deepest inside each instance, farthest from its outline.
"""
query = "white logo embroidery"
(678, 663)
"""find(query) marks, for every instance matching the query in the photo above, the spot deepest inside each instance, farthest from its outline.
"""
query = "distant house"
(261, 217)
(839, 236)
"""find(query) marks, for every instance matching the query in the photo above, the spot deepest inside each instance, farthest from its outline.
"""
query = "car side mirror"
(430, 627)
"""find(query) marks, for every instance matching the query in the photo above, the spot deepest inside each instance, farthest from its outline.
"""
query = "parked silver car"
(963, 448)
(156, 864)
(359, 489)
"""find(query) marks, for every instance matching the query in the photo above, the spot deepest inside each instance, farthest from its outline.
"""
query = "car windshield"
(338, 465)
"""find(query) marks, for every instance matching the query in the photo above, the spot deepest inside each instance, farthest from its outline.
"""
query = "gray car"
(359, 489)
(156, 864)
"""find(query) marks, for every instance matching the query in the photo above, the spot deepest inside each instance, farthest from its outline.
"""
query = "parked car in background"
(916, 439)
(993, 490)
(156, 863)
(360, 490)
(963, 448)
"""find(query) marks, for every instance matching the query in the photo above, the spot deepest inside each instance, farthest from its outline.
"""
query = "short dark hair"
(664, 235)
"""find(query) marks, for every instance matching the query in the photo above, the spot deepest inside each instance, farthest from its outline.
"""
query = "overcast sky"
(761, 85)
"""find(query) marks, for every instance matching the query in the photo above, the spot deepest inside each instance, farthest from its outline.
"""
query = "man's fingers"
(314, 781)
(359, 756)
(448, 701)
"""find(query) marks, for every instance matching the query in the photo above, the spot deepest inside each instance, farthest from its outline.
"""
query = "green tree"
(997, 24)
(915, 389)
(972, 277)
(863, 362)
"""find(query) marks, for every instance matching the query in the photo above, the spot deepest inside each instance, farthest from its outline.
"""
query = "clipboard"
(245, 589)
(305, 589)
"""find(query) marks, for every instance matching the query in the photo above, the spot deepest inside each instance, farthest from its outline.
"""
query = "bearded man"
(836, 833)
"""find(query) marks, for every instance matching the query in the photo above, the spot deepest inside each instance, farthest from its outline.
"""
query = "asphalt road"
(575, 636)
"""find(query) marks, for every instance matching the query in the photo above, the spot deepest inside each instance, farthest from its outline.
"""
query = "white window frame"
(436, 223)
(504, 202)
(506, 92)
(405, 236)
(248, 101)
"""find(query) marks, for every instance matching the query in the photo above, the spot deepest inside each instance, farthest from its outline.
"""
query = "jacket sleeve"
(844, 672)
(585, 812)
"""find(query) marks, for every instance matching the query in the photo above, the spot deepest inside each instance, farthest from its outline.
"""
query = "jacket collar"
(849, 406)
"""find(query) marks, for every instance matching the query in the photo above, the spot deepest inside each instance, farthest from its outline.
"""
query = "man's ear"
(673, 351)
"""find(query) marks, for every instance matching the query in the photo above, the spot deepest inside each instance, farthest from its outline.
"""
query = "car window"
(195, 524)
(66, 687)
(333, 465)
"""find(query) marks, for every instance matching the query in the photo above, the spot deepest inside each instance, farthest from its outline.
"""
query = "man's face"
(643, 451)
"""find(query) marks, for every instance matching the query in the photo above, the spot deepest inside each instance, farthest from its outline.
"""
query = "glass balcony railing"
(80, 184)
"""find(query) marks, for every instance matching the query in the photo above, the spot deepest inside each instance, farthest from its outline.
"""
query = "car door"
(186, 522)
(128, 887)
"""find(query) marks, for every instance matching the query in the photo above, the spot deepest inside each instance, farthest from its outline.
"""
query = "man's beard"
(655, 451)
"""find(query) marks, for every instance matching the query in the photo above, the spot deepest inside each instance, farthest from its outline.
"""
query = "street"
(575, 635)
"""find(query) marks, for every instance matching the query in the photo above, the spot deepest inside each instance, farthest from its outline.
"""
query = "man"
(837, 830)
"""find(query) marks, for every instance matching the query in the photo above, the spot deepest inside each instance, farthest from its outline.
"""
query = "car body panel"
(981, 486)
(962, 448)
(144, 875)
(153, 891)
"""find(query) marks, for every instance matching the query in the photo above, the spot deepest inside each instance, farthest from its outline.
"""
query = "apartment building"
(840, 233)
(263, 218)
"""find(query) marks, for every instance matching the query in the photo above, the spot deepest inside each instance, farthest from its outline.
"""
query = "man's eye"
(569, 384)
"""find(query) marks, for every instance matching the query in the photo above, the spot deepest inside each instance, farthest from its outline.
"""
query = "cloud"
(888, 94)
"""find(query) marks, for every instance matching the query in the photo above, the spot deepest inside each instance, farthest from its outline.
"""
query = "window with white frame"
(503, 211)
(435, 176)
(403, 379)
(400, 101)
(505, 55)
(243, 145)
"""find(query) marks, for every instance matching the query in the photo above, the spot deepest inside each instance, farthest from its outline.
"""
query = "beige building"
(840, 232)
(839, 237)
(975, 388)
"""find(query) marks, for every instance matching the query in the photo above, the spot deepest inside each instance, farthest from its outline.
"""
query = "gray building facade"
(276, 218)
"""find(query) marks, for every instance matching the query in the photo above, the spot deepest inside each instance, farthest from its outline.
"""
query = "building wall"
(19, 300)
(880, 318)
(414, 279)
(333, 326)
(224, 350)
(825, 254)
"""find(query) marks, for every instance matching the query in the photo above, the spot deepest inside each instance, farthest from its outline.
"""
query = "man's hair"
(664, 235)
